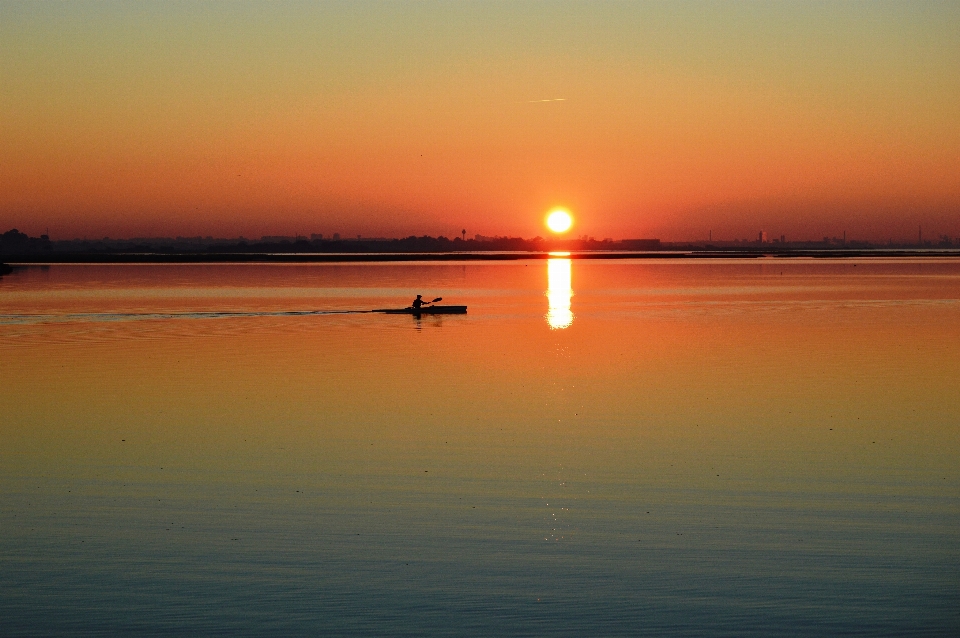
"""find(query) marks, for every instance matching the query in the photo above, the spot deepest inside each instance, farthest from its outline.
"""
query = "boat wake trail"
(26, 319)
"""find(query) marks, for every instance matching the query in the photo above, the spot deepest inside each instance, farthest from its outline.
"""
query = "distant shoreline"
(251, 257)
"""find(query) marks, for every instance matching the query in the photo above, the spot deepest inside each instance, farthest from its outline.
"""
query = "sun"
(559, 220)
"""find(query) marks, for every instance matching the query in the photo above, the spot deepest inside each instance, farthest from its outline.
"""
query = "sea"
(638, 447)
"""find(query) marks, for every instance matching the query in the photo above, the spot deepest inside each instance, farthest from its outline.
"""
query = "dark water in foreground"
(714, 448)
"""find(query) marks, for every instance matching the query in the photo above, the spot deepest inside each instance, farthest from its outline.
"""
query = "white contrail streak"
(555, 99)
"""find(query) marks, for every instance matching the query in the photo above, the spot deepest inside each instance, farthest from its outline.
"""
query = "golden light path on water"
(559, 292)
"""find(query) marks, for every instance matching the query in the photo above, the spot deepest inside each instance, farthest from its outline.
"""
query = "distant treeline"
(17, 246)
(15, 243)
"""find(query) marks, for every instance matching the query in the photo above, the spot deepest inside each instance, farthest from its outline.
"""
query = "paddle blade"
(437, 299)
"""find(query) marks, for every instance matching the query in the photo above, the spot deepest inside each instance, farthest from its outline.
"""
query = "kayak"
(426, 310)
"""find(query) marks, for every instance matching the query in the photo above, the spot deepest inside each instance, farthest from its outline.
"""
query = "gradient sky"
(664, 119)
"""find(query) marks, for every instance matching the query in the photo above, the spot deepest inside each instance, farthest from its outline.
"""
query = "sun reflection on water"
(559, 292)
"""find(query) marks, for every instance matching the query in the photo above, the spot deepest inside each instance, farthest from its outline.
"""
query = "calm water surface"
(763, 447)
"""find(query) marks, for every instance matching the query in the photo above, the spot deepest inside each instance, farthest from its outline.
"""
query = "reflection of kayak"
(426, 310)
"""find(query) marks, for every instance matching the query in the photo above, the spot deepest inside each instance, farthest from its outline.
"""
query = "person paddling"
(418, 302)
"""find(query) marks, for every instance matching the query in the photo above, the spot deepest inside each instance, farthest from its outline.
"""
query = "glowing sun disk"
(559, 221)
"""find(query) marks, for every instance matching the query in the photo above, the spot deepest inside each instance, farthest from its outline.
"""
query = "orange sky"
(665, 120)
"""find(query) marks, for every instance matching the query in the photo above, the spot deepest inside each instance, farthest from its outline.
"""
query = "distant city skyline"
(762, 236)
(15, 242)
